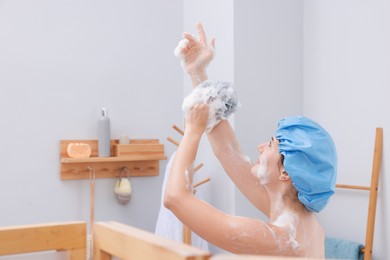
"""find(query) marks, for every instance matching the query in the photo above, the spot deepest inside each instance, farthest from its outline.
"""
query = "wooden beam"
(127, 243)
(187, 235)
(77, 254)
(254, 257)
(354, 187)
(43, 237)
(373, 194)
(101, 255)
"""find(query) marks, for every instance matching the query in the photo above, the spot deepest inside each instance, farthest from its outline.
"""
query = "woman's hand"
(196, 54)
(196, 120)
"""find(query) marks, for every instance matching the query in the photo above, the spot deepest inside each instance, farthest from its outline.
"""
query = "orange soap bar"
(78, 150)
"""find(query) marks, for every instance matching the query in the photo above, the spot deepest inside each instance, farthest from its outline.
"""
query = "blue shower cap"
(310, 160)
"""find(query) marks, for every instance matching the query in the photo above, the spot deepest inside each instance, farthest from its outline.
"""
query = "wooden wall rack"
(144, 163)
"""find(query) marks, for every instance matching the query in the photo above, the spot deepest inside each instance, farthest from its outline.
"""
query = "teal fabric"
(342, 249)
(310, 160)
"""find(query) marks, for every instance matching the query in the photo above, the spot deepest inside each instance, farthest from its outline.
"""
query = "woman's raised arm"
(237, 165)
(196, 54)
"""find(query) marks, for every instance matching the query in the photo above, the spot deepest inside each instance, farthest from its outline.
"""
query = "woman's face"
(266, 168)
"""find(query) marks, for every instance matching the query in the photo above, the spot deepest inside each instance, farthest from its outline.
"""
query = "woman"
(293, 177)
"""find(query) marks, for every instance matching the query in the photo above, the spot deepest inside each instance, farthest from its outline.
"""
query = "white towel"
(168, 225)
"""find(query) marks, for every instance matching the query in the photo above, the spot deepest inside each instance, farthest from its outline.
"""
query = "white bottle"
(104, 138)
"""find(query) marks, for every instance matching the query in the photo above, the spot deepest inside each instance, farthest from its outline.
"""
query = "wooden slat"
(78, 171)
(138, 157)
(201, 182)
(77, 254)
(170, 139)
(354, 187)
(101, 255)
(144, 141)
(129, 243)
(128, 150)
(178, 129)
(43, 237)
(373, 193)
(198, 167)
(187, 235)
(255, 257)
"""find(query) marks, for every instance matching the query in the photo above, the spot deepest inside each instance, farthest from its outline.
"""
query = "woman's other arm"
(237, 165)
(196, 54)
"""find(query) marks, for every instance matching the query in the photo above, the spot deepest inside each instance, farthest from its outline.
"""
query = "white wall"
(346, 81)
(60, 62)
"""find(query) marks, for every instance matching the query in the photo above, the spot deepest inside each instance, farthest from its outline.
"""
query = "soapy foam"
(286, 220)
(188, 174)
(179, 49)
(289, 221)
(246, 158)
(240, 234)
(261, 171)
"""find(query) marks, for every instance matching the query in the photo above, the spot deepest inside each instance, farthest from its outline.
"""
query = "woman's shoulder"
(300, 236)
(311, 236)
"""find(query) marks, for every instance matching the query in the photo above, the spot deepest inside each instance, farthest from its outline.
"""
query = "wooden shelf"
(113, 159)
(142, 164)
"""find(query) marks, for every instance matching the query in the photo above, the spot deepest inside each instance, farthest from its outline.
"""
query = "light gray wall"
(60, 62)
(346, 81)
(267, 71)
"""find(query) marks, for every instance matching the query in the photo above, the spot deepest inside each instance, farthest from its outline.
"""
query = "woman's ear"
(284, 176)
